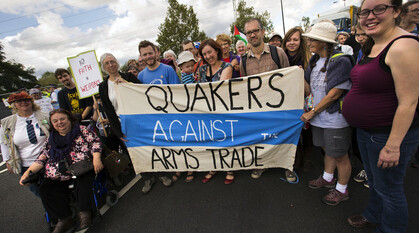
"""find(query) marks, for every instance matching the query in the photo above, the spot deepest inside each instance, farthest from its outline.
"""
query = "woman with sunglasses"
(23, 134)
(382, 105)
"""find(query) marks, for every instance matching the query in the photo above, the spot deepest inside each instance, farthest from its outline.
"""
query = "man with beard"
(68, 98)
(262, 58)
(155, 73)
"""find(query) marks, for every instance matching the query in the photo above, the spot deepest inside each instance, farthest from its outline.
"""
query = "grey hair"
(240, 42)
(103, 57)
(169, 52)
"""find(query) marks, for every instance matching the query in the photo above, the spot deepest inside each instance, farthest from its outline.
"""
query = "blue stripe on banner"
(215, 130)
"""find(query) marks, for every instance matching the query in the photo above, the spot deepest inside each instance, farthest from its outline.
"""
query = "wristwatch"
(313, 110)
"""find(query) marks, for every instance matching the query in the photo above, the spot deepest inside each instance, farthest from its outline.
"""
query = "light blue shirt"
(318, 88)
(164, 74)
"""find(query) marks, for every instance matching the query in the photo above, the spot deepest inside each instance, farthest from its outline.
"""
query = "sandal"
(227, 180)
(176, 176)
(189, 177)
(208, 177)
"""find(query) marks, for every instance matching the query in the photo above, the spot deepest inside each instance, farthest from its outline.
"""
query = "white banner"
(86, 73)
(243, 123)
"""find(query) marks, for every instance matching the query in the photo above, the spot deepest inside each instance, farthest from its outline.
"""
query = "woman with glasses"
(23, 134)
(225, 42)
(327, 79)
(409, 17)
(382, 105)
(110, 66)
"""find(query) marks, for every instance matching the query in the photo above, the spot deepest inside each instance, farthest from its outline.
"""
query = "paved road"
(265, 205)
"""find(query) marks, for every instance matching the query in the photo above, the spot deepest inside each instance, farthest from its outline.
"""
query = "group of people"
(367, 88)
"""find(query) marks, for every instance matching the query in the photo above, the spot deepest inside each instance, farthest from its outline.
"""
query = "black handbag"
(81, 167)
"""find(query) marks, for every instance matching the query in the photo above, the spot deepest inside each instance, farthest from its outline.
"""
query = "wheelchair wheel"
(112, 198)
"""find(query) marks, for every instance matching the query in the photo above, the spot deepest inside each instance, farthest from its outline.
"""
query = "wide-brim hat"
(323, 31)
(19, 96)
(185, 56)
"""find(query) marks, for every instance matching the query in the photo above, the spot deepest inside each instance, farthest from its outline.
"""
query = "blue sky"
(44, 33)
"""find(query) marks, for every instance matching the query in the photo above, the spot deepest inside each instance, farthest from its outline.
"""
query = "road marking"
(2, 163)
(4, 170)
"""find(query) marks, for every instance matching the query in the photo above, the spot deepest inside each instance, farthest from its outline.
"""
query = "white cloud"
(47, 45)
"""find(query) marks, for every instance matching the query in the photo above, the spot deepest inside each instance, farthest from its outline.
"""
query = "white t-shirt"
(28, 152)
(45, 104)
(111, 94)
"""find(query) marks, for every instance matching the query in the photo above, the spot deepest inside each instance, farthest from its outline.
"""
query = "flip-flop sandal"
(175, 177)
(189, 178)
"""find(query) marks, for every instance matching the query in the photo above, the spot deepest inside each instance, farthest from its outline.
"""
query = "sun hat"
(19, 96)
(185, 56)
(34, 91)
(274, 34)
(323, 31)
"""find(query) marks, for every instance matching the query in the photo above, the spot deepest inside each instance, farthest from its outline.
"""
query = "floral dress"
(83, 146)
(216, 76)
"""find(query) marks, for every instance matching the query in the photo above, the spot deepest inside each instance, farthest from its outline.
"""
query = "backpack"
(274, 55)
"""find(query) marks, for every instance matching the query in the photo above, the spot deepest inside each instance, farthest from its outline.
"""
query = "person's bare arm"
(406, 81)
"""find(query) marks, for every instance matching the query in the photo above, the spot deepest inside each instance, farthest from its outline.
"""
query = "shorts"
(336, 142)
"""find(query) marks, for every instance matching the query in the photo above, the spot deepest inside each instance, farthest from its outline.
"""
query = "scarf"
(61, 145)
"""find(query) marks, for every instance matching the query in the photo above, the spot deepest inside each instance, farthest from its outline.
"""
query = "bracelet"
(391, 151)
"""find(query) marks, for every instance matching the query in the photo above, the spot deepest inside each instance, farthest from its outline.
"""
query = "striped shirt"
(265, 63)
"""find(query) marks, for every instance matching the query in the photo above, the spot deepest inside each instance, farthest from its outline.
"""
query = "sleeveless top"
(215, 77)
(372, 102)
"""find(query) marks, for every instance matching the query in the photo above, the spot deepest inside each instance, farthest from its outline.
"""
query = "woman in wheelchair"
(68, 146)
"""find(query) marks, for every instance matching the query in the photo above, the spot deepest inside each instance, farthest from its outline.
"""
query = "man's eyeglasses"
(253, 32)
(378, 10)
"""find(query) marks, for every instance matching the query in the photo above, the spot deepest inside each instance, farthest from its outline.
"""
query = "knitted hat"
(19, 96)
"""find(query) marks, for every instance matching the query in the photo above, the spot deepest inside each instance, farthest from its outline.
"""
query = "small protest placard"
(86, 72)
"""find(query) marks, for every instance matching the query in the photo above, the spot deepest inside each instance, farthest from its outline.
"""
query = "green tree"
(180, 24)
(48, 78)
(305, 23)
(244, 13)
(14, 75)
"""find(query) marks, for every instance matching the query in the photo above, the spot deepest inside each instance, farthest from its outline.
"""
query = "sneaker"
(290, 175)
(335, 197)
(366, 185)
(320, 182)
(166, 181)
(257, 173)
(147, 185)
(361, 177)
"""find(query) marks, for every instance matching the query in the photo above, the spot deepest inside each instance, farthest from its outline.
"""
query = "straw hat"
(323, 31)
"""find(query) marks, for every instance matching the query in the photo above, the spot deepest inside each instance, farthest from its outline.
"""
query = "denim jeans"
(387, 206)
(34, 188)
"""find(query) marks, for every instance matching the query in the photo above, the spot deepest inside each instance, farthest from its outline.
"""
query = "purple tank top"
(372, 100)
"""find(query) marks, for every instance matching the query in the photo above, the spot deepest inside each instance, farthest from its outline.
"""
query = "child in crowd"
(186, 63)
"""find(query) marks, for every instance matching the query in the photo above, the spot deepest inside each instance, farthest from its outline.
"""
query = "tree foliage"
(305, 23)
(244, 13)
(14, 75)
(47, 79)
(180, 24)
